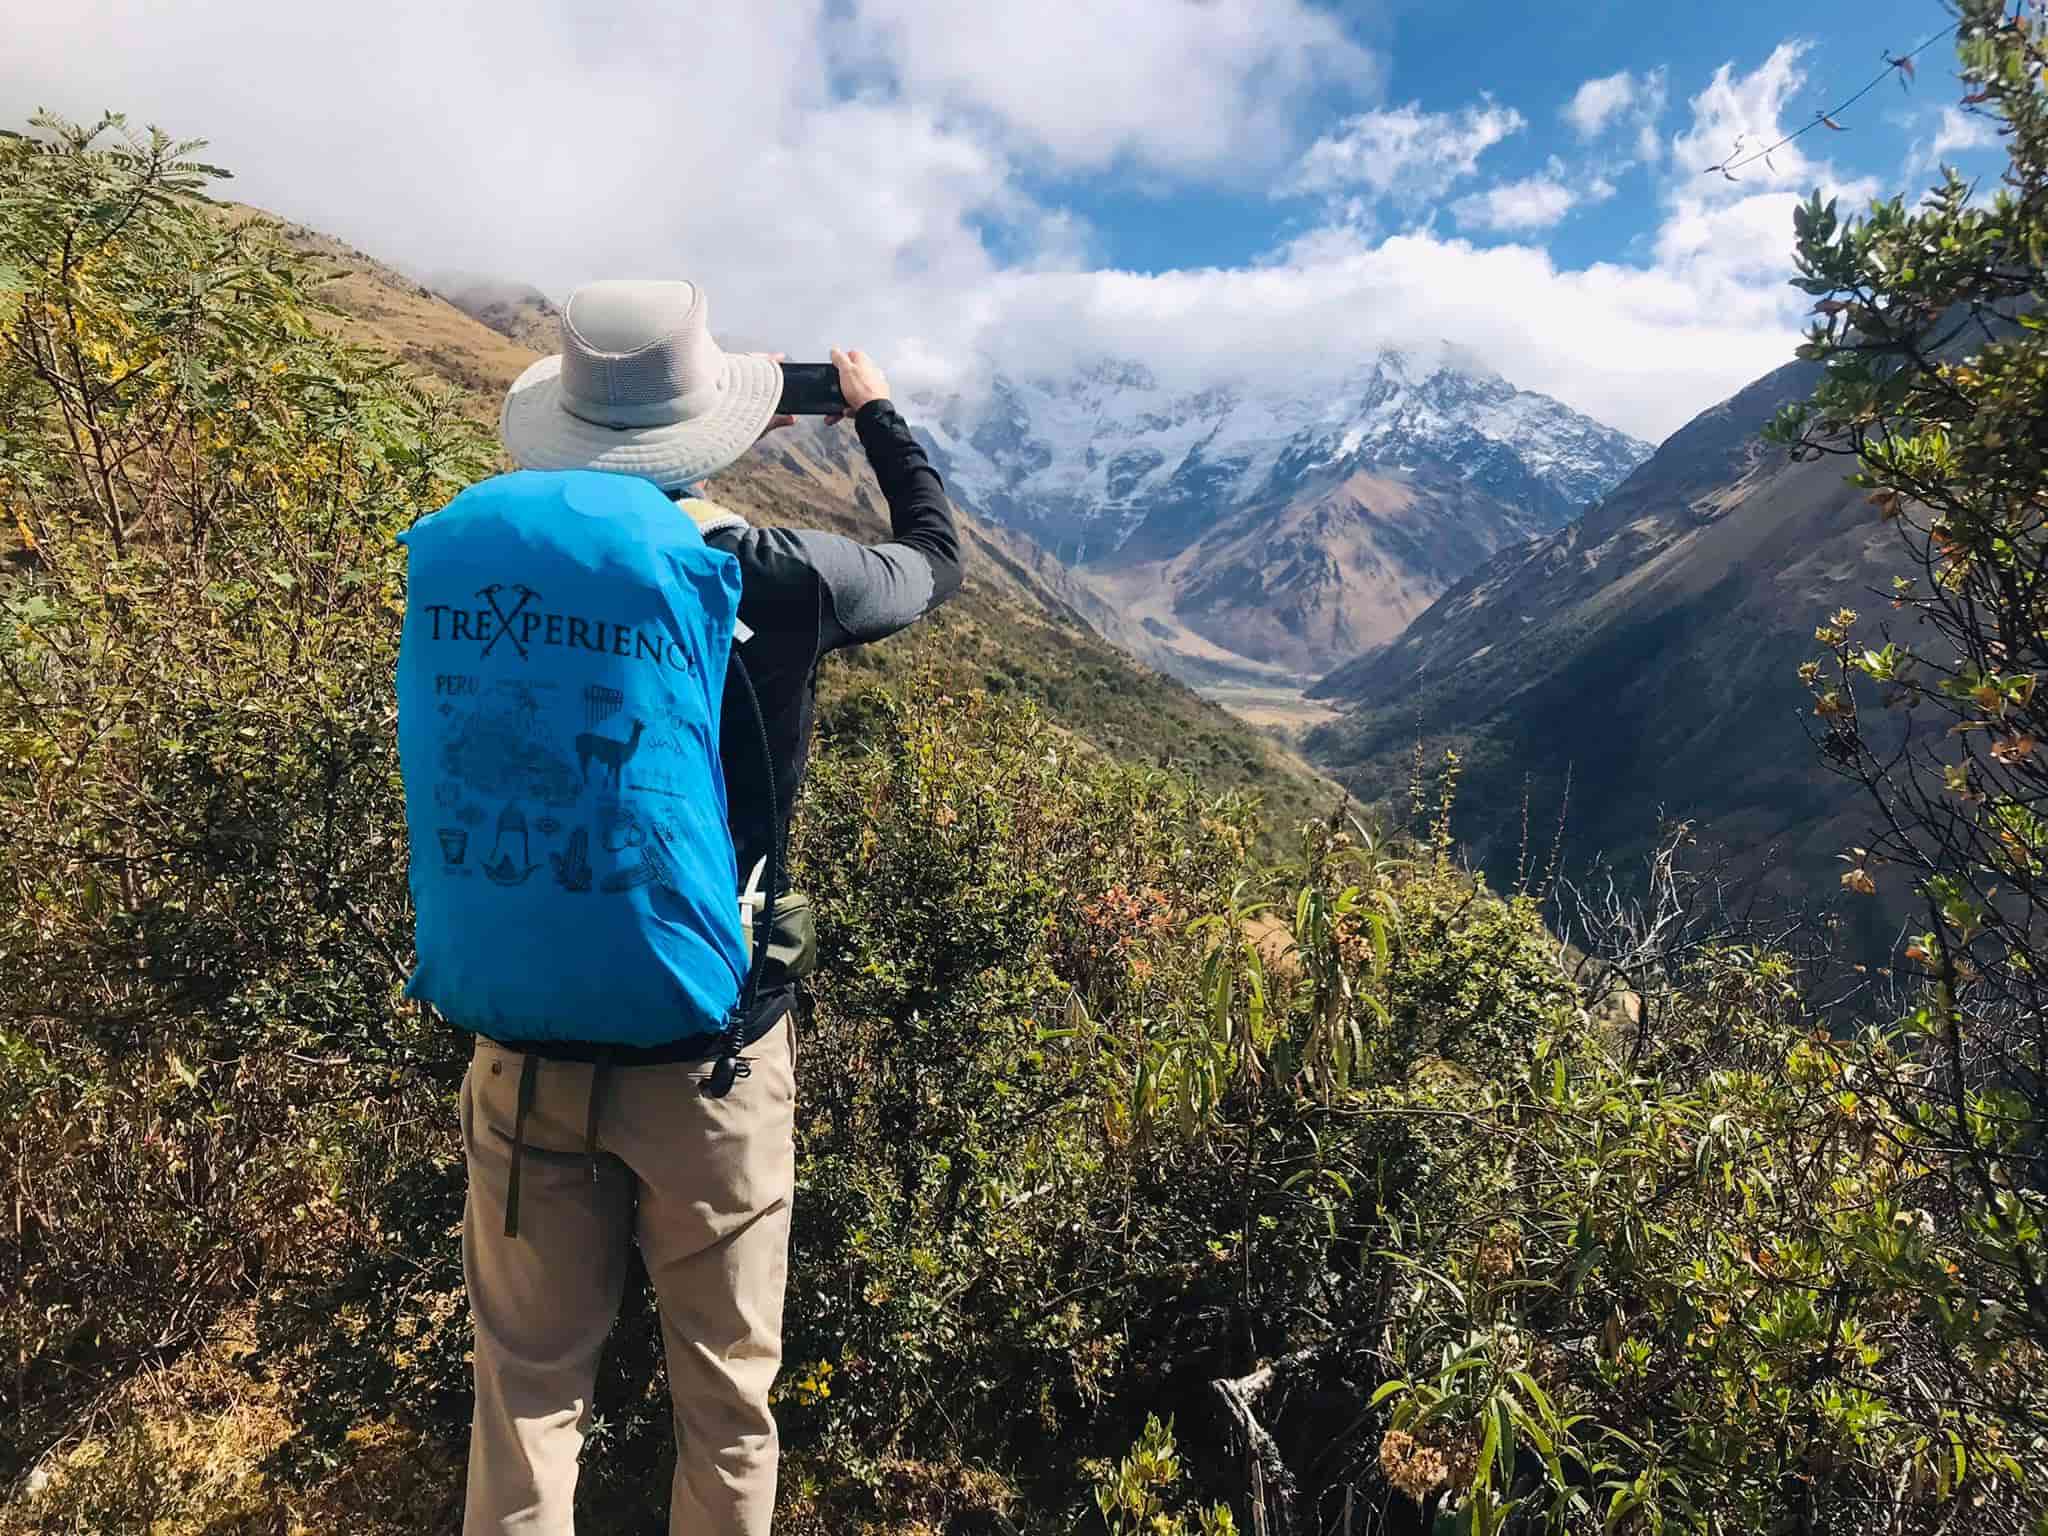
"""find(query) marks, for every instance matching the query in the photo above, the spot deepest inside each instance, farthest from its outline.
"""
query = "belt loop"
(529, 1073)
(599, 1071)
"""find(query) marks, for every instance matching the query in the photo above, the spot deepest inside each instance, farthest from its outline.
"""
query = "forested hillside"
(1148, 1181)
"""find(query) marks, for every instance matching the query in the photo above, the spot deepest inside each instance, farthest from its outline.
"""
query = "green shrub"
(1098, 1109)
(203, 917)
(1138, 1499)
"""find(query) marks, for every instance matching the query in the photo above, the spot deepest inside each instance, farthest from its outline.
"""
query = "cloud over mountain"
(945, 184)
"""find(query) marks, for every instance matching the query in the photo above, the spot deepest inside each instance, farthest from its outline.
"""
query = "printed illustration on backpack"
(645, 860)
(610, 753)
(501, 867)
(506, 610)
(501, 752)
(454, 843)
(572, 865)
(525, 697)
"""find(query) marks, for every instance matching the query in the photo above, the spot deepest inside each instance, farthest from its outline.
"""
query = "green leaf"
(1536, 1394)
(1504, 1443)
(1486, 1454)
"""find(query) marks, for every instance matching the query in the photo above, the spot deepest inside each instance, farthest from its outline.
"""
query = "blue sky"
(1251, 190)
(1533, 59)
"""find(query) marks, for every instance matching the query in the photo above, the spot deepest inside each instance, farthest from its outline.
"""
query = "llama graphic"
(611, 753)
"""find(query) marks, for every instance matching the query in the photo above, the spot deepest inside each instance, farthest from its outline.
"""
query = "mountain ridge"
(1268, 534)
(1652, 642)
(1091, 461)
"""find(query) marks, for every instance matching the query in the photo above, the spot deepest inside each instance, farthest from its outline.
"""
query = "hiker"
(576, 1149)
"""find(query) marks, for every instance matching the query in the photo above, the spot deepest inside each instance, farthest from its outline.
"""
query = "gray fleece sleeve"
(874, 590)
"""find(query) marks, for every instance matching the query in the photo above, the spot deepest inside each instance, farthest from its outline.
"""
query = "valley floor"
(1274, 707)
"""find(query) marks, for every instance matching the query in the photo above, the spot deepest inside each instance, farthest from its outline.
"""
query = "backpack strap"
(709, 516)
(731, 1066)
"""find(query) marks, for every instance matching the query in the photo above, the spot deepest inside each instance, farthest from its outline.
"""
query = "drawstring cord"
(529, 1073)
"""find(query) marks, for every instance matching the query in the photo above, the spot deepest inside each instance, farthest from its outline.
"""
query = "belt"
(790, 945)
(697, 1047)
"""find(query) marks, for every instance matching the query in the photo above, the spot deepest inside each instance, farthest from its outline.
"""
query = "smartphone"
(810, 389)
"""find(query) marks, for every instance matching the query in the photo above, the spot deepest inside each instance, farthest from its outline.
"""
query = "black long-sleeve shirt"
(803, 594)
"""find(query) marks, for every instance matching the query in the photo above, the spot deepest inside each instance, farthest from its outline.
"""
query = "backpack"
(560, 678)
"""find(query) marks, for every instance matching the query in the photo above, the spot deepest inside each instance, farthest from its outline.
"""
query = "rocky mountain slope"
(1272, 532)
(515, 310)
(1648, 651)
(1022, 623)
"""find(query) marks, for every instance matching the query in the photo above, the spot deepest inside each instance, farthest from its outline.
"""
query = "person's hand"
(860, 381)
(775, 423)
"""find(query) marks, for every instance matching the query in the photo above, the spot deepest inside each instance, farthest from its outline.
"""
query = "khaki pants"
(704, 1185)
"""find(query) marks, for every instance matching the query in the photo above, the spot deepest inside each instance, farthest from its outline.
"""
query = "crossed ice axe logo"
(490, 595)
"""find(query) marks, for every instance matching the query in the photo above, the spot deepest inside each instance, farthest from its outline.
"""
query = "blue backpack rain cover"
(559, 681)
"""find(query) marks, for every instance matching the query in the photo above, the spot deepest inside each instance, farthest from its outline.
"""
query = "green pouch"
(792, 939)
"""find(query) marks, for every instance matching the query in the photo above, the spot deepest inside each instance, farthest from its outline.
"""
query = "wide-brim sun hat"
(639, 388)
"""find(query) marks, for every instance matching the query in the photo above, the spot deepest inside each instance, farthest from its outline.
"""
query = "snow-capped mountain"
(1091, 463)
(1254, 532)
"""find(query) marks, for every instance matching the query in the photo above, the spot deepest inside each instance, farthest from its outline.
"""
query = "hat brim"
(540, 433)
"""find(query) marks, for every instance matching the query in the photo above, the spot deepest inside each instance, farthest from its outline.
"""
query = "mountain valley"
(1262, 535)
(1641, 661)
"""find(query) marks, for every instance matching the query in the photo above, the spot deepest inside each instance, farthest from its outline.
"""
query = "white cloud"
(1642, 346)
(1730, 240)
(835, 171)
(1597, 101)
(1957, 132)
(1634, 347)
(557, 143)
(1170, 84)
(1738, 115)
(1620, 100)
(1534, 202)
(1404, 152)
(1962, 130)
